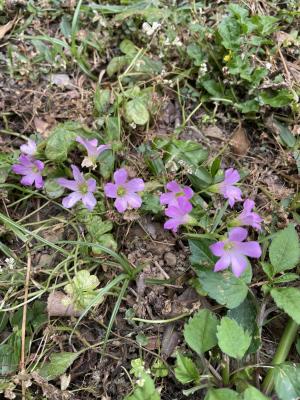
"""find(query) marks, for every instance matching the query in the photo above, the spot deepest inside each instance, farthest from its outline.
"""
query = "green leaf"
(224, 287)
(53, 189)
(287, 381)
(285, 134)
(101, 100)
(214, 88)
(145, 392)
(200, 331)
(201, 254)
(128, 47)
(61, 139)
(278, 99)
(106, 162)
(289, 300)
(285, 249)
(186, 371)
(58, 364)
(221, 394)
(232, 338)
(186, 150)
(136, 112)
(251, 393)
(159, 369)
(116, 64)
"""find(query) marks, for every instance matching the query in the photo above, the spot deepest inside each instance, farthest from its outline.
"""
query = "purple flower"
(175, 192)
(93, 151)
(29, 148)
(82, 190)
(31, 169)
(179, 214)
(124, 191)
(233, 251)
(247, 217)
(227, 189)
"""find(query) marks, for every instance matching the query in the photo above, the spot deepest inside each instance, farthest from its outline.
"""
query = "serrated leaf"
(82, 281)
(186, 370)
(233, 340)
(136, 112)
(225, 288)
(58, 364)
(200, 331)
(288, 299)
(285, 249)
(221, 394)
(146, 390)
(251, 393)
(287, 381)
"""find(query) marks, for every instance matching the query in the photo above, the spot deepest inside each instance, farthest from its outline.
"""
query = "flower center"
(228, 246)
(179, 194)
(121, 191)
(35, 169)
(83, 188)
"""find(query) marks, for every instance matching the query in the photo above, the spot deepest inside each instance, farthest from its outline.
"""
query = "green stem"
(281, 354)
(225, 370)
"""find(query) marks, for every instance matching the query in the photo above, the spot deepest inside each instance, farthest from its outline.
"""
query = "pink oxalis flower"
(124, 191)
(179, 214)
(93, 151)
(248, 217)
(31, 170)
(234, 251)
(82, 190)
(175, 192)
(227, 188)
(29, 148)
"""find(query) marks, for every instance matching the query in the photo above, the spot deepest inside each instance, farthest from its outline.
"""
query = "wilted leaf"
(61, 305)
(239, 141)
(6, 28)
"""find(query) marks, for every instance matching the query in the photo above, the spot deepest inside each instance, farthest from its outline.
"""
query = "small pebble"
(170, 259)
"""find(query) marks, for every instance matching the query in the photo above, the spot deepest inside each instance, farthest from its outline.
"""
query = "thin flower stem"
(281, 354)
(161, 321)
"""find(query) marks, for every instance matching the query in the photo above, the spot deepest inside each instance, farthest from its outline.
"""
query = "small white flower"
(148, 29)
(10, 262)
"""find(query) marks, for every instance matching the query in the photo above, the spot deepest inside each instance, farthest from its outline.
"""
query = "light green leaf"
(101, 100)
(287, 381)
(225, 288)
(58, 364)
(232, 338)
(186, 371)
(83, 281)
(53, 189)
(200, 331)
(282, 98)
(285, 134)
(285, 249)
(288, 299)
(61, 139)
(221, 394)
(251, 393)
(136, 112)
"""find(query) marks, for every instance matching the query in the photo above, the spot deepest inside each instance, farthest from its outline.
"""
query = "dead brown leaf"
(58, 305)
(239, 141)
(6, 28)
(41, 126)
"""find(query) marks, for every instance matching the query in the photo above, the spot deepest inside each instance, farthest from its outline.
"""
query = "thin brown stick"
(23, 337)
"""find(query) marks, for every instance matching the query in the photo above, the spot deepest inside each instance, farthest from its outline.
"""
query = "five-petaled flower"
(82, 190)
(93, 151)
(233, 251)
(31, 170)
(124, 191)
(227, 188)
(29, 148)
(179, 214)
(249, 218)
(175, 192)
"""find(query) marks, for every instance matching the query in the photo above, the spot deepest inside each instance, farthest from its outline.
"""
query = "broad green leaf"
(10, 353)
(186, 150)
(146, 390)
(53, 189)
(101, 100)
(287, 381)
(286, 135)
(201, 254)
(128, 47)
(221, 394)
(251, 393)
(185, 370)
(225, 288)
(61, 139)
(200, 331)
(136, 112)
(285, 249)
(278, 99)
(106, 162)
(232, 338)
(58, 364)
(214, 88)
(116, 64)
(288, 299)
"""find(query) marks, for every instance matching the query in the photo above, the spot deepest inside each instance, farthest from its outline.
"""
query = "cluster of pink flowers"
(178, 205)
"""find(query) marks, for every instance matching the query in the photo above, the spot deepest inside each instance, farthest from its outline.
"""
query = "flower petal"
(237, 234)
(135, 185)
(102, 148)
(110, 190)
(68, 183)
(91, 184)
(133, 200)
(233, 194)
(39, 164)
(172, 224)
(72, 199)
(238, 264)
(28, 180)
(39, 183)
(188, 192)
(173, 187)
(20, 169)
(223, 263)
(29, 148)
(184, 205)
(167, 198)
(89, 201)
(250, 249)
(120, 176)
(248, 205)
(77, 174)
(121, 204)
(173, 212)
(231, 176)
(217, 249)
